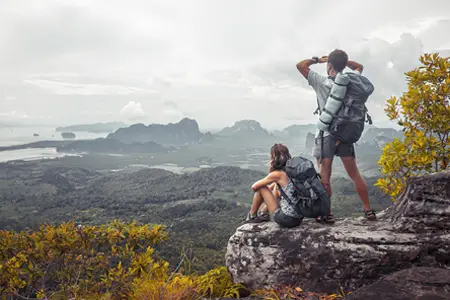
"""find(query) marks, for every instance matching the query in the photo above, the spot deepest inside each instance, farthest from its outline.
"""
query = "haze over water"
(11, 136)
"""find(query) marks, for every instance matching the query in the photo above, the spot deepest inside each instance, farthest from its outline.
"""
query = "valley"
(198, 188)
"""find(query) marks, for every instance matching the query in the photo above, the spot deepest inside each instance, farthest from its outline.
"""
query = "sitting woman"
(267, 191)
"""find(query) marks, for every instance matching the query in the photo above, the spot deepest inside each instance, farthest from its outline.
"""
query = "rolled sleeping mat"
(334, 101)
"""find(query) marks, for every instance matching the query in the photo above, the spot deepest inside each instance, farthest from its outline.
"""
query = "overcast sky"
(80, 61)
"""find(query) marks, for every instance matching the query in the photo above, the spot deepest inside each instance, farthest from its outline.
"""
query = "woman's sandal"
(328, 220)
(370, 215)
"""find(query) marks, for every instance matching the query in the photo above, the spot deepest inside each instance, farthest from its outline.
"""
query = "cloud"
(68, 88)
(170, 104)
(133, 111)
(203, 59)
(173, 114)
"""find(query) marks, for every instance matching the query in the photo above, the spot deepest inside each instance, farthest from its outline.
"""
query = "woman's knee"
(264, 190)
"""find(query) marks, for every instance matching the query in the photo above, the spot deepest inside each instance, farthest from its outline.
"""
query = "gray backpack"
(347, 125)
(310, 198)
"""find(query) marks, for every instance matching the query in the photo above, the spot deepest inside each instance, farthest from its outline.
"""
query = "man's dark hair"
(338, 60)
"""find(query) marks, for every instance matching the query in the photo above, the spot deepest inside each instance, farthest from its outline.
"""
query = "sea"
(11, 136)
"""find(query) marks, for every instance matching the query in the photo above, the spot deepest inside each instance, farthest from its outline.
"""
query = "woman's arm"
(269, 179)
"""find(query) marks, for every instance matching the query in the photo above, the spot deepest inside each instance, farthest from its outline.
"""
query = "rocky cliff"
(413, 232)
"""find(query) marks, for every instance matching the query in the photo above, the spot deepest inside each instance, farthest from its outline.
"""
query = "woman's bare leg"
(276, 193)
(257, 202)
(264, 195)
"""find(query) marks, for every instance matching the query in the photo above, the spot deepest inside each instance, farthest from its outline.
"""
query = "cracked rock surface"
(410, 284)
(413, 232)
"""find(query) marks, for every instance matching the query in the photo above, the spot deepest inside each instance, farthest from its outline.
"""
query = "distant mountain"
(184, 132)
(380, 136)
(111, 146)
(372, 132)
(93, 128)
(309, 142)
(245, 129)
(296, 131)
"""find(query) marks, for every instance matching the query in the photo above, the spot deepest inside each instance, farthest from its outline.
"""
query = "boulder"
(409, 284)
(413, 232)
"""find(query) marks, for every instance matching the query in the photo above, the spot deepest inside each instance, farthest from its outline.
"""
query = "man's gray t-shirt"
(322, 86)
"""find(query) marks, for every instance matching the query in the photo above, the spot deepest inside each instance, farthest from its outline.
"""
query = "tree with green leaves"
(424, 113)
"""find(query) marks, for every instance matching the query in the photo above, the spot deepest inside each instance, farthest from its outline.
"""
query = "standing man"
(336, 62)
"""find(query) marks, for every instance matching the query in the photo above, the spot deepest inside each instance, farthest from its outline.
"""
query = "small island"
(68, 135)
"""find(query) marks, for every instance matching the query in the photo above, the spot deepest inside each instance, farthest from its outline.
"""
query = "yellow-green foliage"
(215, 283)
(424, 113)
(115, 261)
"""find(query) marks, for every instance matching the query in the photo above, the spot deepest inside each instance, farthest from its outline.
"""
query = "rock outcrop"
(413, 232)
(409, 284)
(68, 135)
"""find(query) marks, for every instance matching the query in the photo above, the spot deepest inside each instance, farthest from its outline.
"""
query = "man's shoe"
(370, 215)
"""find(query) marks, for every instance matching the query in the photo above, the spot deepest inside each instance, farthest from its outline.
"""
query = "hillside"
(201, 209)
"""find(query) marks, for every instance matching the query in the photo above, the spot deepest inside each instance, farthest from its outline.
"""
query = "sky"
(68, 62)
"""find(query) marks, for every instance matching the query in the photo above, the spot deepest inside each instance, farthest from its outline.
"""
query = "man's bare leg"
(358, 181)
(325, 173)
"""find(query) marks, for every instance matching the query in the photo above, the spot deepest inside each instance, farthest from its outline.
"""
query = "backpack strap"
(285, 196)
(347, 106)
(302, 190)
(321, 146)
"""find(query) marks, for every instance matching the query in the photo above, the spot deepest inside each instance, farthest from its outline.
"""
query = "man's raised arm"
(303, 66)
(355, 66)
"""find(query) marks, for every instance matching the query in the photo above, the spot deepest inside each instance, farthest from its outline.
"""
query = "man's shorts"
(330, 149)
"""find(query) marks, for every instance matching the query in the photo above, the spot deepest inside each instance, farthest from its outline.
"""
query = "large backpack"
(310, 197)
(345, 112)
(348, 125)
